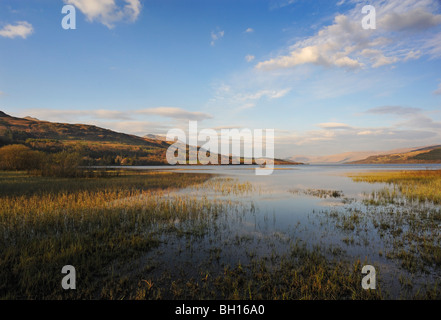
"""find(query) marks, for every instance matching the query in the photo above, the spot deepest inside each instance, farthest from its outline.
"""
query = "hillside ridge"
(99, 145)
(428, 154)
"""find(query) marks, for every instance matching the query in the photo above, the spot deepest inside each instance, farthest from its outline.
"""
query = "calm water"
(279, 210)
(275, 194)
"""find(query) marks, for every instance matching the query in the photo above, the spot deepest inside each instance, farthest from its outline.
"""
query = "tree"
(19, 157)
(63, 164)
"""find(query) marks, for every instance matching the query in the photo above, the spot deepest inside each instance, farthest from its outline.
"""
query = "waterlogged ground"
(304, 232)
(265, 220)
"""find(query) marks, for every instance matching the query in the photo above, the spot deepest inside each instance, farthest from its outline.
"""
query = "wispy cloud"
(438, 91)
(175, 113)
(103, 114)
(249, 57)
(21, 29)
(334, 126)
(245, 90)
(422, 122)
(270, 94)
(276, 4)
(414, 118)
(137, 122)
(249, 30)
(108, 12)
(137, 127)
(397, 110)
(216, 35)
(76, 115)
(328, 141)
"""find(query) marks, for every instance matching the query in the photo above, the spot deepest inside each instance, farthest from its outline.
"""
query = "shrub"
(20, 157)
(62, 164)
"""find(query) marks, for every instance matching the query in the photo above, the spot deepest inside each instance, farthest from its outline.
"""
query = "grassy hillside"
(432, 155)
(97, 145)
(422, 155)
(100, 146)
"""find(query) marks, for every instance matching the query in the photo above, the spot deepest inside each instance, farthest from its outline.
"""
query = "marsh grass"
(300, 273)
(226, 186)
(319, 193)
(106, 226)
(421, 185)
(46, 223)
(415, 219)
(402, 220)
(171, 235)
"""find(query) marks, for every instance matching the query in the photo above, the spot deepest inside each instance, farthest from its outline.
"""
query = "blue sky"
(304, 68)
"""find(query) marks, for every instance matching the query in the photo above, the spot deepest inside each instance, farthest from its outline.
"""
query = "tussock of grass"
(319, 193)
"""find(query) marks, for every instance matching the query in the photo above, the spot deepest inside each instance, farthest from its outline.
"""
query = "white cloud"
(334, 126)
(108, 12)
(438, 91)
(249, 57)
(417, 19)
(402, 34)
(216, 36)
(270, 94)
(367, 132)
(332, 46)
(249, 30)
(20, 29)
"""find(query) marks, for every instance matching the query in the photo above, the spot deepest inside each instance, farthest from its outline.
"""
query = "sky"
(305, 68)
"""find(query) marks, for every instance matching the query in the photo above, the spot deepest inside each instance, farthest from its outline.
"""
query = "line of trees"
(20, 157)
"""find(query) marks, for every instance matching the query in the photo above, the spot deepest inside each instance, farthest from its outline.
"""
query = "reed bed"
(421, 185)
(226, 186)
(160, 235)
(87, 223)
(319, 193)
(402, 220)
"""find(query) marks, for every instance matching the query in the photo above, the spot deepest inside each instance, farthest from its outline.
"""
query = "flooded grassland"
(301, 233)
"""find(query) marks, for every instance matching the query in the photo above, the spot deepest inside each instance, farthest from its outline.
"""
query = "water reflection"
(283, 206)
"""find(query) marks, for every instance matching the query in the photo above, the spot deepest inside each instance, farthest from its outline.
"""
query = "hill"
(101, 146)
(345, 157)
(98, 145)
(430, 154)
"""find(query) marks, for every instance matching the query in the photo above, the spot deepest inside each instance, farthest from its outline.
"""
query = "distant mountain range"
(100, 146)
(426, 154)
(430, 154)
